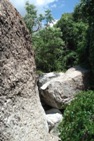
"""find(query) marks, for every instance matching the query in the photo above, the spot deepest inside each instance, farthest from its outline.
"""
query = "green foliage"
(78, 14)
(48, 17)
(77, 44)
(48, 47)
(32, 20)
(87, 7)
(47, 42)
(78, 122)
(74, 35)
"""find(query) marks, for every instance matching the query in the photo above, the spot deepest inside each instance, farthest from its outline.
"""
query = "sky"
(58, 7)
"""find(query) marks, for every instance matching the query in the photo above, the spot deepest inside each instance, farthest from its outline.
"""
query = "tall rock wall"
(21, 115)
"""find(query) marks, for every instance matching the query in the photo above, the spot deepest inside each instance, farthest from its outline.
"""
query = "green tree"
(74, 35)
(87, 8)
(32, 20)
(48, 17)
(49, 49)
(47, 41)
(78, 14)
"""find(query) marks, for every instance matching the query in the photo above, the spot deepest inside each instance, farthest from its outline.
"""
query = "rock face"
(60, 90)
(22, 117)
(54, 117)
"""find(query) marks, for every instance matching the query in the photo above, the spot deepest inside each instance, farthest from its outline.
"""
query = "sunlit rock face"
(22, 117)
(59, 89)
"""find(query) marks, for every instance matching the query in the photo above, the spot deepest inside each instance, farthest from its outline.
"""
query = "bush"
(78, 122)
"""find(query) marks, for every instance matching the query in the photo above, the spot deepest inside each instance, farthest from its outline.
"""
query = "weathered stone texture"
(21, 115)
(60, 89)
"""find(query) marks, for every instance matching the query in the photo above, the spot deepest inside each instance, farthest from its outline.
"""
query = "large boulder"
(60, 90)
(22, 117)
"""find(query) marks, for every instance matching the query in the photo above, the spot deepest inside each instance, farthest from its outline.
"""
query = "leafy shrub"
(78, 122)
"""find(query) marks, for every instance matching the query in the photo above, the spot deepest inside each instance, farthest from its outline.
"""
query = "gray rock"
(47, 77)
(59, 91)
(54, 117)
(22, 117)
